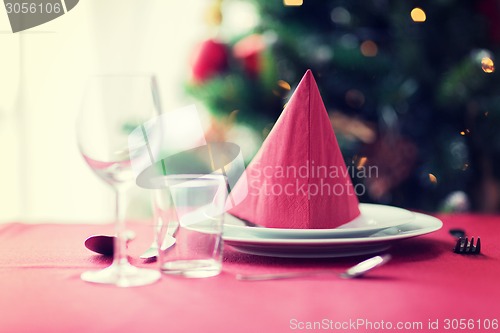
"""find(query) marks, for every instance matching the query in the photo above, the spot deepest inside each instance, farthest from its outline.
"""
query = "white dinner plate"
(373, 218)
(331, 247)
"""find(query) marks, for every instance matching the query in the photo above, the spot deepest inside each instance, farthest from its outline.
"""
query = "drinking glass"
(113, 106)
(195, 204)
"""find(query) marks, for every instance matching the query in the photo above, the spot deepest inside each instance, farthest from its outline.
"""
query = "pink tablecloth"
(40, 289)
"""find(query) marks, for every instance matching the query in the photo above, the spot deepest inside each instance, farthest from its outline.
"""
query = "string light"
(285, 85)
(418, 15)
(361, 163)
(293, 2)
(487, 65)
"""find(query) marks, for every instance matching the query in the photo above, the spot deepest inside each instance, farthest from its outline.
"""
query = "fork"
(463, 246)
(168, 241)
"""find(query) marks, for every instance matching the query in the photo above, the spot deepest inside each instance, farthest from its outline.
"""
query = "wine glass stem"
(120, 246)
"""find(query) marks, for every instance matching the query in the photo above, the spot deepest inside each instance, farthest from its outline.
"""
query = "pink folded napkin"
(298, 179)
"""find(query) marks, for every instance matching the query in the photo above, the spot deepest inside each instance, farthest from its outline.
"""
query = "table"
(425, 282)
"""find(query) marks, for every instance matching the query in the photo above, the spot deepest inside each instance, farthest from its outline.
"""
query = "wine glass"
(112, 107)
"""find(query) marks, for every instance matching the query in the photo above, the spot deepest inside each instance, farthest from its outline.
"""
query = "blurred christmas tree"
(410, 85)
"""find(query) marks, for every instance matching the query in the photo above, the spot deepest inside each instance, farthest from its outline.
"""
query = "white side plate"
(372, 219)
(332, 247)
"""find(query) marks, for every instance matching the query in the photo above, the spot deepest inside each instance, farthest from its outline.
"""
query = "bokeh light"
(285, 85)
(239, 17)
(418, 15)
(361, 162)
(293, 2)
(340, 15)
(368, 48)
(354, 98)
(487, 65)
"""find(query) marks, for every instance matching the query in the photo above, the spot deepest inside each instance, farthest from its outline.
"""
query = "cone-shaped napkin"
(298, 179)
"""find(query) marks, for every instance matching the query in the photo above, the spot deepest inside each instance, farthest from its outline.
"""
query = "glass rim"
(199, 179)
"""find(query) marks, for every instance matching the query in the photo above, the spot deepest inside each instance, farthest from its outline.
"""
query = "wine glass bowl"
(113, 106)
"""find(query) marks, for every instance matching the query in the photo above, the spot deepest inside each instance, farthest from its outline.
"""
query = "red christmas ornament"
(211, 59)
(248, 51)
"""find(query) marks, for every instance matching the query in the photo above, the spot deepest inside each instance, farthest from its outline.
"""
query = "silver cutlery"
(463, 246)
(353, 272)
(168, 242)
(104, 244)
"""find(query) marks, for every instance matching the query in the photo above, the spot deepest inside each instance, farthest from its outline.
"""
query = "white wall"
(42, 73)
